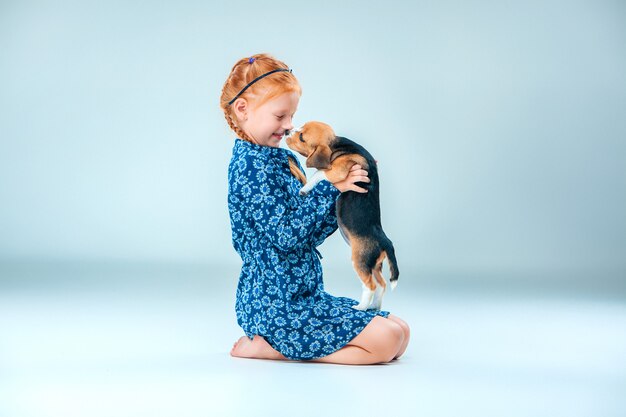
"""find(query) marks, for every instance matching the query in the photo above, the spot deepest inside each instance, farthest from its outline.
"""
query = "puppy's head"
(313, 140)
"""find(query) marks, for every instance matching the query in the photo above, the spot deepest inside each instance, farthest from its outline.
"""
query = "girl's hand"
(356, 174)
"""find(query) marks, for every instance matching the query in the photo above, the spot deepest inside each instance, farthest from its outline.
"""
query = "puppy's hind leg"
(369, 287)
(377, 302)
(367, 295)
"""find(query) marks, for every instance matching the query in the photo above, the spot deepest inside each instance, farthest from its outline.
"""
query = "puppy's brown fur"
(358, 214)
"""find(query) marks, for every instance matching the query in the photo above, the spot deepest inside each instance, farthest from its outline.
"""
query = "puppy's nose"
(287, 132)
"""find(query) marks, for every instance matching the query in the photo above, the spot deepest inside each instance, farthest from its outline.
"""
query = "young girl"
(280, 303)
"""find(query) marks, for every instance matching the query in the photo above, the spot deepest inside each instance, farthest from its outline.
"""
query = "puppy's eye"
(301, 138)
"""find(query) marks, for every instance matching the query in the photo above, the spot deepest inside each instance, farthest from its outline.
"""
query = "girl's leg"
(380, 341)
(405, 329)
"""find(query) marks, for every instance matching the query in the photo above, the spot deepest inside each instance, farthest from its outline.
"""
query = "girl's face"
(267, 124)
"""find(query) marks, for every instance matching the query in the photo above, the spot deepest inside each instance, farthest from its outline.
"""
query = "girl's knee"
(392, 338)
(398, 335)
(382, 337)
(403, 324)
(405, 329)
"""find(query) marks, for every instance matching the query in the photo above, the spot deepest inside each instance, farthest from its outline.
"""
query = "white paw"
(377, 302)
(367, 297)
(376, 305)
(306, 189)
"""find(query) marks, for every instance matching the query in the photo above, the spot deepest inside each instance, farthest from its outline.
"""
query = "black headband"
(255, 80)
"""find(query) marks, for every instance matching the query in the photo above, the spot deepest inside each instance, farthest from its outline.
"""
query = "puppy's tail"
(393, 265)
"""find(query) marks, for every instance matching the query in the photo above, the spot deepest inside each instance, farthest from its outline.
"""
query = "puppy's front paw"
(359, 307)
(304, 191)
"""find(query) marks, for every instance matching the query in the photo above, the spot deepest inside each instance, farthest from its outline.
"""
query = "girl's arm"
(329, 224)
(258, 185)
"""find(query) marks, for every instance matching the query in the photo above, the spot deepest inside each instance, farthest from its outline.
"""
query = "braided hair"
(243, 72)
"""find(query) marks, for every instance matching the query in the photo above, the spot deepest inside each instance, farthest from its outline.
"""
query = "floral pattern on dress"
(280, 294)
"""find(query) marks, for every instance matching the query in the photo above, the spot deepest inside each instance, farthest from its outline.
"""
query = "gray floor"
(118, 341)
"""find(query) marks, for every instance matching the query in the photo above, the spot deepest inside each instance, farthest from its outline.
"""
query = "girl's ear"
(240, 106)
(319, 158)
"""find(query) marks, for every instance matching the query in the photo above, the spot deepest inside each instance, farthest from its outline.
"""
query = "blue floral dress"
(280, 294)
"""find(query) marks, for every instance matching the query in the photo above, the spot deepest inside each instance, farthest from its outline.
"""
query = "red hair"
(246, 70)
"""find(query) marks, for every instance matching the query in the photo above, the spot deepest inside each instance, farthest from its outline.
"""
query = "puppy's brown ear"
(320, 158)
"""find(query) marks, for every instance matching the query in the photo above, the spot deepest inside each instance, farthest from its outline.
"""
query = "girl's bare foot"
(257, 348)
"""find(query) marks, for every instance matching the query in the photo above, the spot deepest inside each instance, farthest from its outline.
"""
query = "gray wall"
(499, 126)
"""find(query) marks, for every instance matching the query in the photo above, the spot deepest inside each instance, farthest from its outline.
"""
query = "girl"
(280, 303)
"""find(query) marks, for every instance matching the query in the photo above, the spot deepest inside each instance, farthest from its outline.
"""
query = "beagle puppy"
(358, 214)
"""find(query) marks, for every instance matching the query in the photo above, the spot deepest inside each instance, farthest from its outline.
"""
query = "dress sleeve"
(330, 221)
(329, 224)
(264, 195)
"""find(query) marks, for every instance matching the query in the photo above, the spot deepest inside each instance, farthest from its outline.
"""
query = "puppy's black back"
(358, 211)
